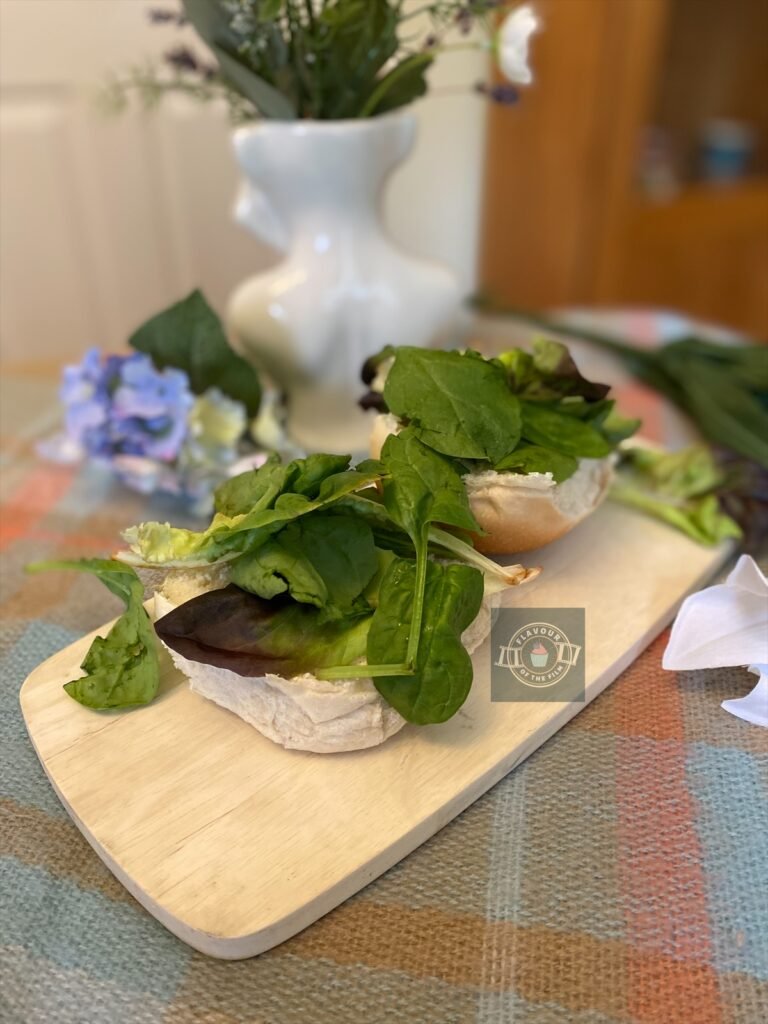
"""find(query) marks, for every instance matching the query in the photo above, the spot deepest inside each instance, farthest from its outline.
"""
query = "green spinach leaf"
(122, 668)
(544, 425)
(443, 669)
(422, 487)
(459, 404)
(324, 560)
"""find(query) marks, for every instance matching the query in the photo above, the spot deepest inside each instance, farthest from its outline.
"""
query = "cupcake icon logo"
(539, 655)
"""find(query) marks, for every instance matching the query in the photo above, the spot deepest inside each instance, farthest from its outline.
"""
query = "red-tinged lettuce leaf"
(243, 633)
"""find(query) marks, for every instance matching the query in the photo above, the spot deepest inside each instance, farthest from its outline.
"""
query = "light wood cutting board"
(235, 844)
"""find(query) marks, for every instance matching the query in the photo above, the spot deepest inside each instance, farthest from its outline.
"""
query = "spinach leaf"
(443, 669)
(121, 669)
(190, 337)
(238, 631)
(459, 404)
(544, 425)
(254, 489)
(258, 488)
(530, 458)
(324, 560)
(422, 487)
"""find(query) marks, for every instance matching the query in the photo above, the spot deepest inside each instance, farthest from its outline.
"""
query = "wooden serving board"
(235, 844)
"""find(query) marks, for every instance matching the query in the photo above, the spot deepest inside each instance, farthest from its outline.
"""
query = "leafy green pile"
(722, 388)
(680, 488)
(521, 412)
(333, 571)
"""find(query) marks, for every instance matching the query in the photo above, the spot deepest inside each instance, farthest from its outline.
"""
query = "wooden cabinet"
(565, 221)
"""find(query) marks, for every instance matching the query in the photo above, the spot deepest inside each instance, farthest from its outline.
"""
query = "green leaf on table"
(546, 426)
(121, 669)
(457, 403)
(678, 488)
(189, 336)
(235, 630)
(325, 560)
(443, 670)
(700, 518)
(531, 458)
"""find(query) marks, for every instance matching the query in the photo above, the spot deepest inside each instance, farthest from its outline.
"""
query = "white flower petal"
(513, 39)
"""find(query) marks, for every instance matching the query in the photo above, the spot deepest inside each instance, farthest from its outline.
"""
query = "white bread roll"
(304, 713)
(522, 511)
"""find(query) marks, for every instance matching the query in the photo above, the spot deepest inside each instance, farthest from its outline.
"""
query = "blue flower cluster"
(122, 405)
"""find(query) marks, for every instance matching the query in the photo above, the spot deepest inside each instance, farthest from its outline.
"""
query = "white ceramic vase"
(343, 289)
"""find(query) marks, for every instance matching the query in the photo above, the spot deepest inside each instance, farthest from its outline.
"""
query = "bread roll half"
(304, 713)
(522, 511)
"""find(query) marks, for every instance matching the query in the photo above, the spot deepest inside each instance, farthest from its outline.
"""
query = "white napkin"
(727, 625)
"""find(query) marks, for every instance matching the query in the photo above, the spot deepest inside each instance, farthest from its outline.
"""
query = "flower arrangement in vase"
(317, 88)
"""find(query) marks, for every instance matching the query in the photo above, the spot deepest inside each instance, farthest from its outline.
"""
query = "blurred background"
(633, 172)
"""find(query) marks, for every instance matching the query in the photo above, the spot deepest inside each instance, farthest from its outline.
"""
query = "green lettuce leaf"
(235, 630)
(324, 560)
(443, 670)
(121, 669)
(459, 404)
(190, 337)
(548, 373)
(678, 488)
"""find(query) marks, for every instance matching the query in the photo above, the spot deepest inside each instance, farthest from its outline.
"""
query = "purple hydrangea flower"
(122, 405)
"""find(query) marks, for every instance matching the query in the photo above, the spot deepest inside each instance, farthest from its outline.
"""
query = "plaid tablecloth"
(619, 875)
